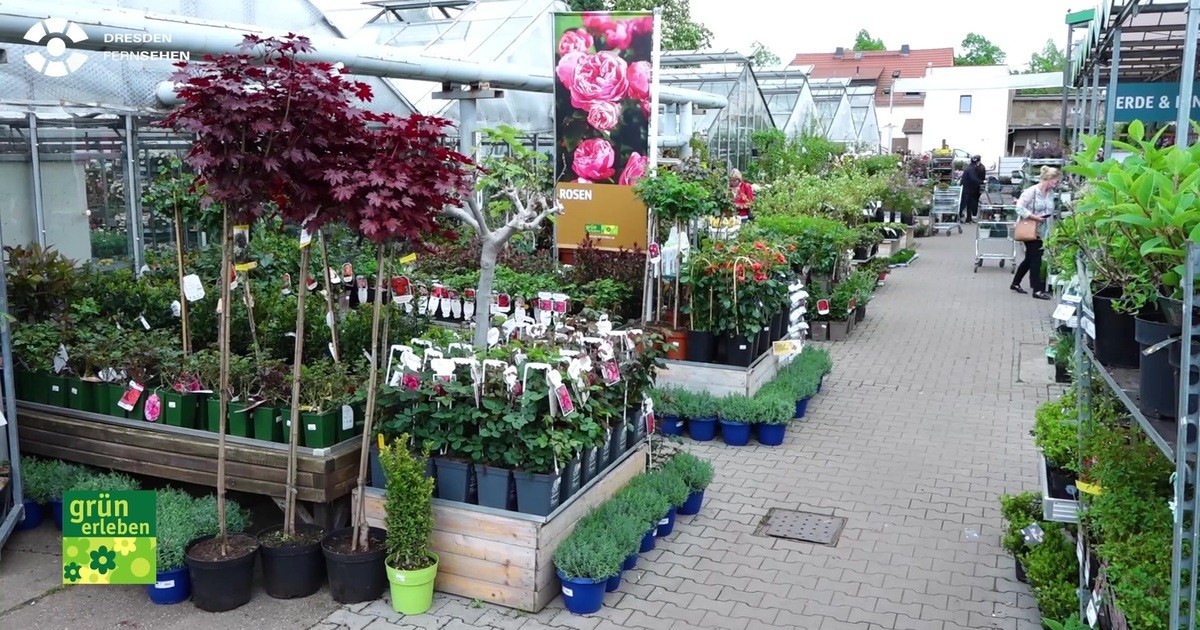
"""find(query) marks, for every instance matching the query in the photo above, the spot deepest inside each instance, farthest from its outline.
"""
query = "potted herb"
(1019, 511)
(63, 477)
(772, 413)
(35, 346)
(105, 482)
(674, 490)
(668, 409)
(584, 563)
(697, 474)
(644, 502)
(736, 413)
(411, 566)
(700, 409)
(1056, 433)
(173, 528)
(37, 482)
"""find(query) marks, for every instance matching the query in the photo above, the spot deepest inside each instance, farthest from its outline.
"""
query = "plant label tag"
(655, 251)
(287, 284)
(305, 238)
(333, 353)
(610, 372)
(1093, 615)
(545, 301)
(153, 407)
(560, 303)
(312, 427)
(1064, 311)
(176, 309)
(347, 417)
(164, 584)
(312, 284)
(334, 276)
(787, 347)
(130, 398)
(60, 359)
(347, 272)
(1088, 325)
(142, 320)
(408, 259)
(193, 288)
(567, 591)
(822, 307)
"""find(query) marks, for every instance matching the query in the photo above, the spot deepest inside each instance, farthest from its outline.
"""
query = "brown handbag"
(1026, 230)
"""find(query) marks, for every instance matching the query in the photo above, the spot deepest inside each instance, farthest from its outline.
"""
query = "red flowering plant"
(748, 281)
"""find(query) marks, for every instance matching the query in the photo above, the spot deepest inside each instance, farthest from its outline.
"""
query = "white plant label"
(60, 359)
(1089, 326)
(165, 584)
(176, 309)
(312, 427)
(568, 592)
(142, 320)
(193, 288)
(347, 417)
(1064, 312)
(305, 238)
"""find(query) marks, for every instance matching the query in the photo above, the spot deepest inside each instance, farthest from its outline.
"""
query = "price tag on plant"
(305, 238)
(60, 359)
(1064, 312)
(1088, 325)
(153, 407)
(193, 288)
(130, 398)
(822, 307)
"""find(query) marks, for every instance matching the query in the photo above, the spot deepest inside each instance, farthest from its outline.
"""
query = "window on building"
(964, 104)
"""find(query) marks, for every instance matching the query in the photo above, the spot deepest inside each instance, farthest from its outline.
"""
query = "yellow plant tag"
(409, 259)
(381, 444)
(1089, 488)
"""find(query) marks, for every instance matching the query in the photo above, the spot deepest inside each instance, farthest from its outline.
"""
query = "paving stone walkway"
(923, 424)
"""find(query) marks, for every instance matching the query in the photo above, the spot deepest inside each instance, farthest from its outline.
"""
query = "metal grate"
(821, 529)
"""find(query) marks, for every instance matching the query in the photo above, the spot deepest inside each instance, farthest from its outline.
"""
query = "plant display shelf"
(1167, 436)
(503, 557)
(325, 479)
(1056, 510)
(720, 380)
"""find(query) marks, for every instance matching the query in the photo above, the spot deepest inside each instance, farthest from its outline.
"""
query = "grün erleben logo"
(109, 537)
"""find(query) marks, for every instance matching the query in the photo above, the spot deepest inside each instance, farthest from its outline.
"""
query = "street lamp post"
(891, 109)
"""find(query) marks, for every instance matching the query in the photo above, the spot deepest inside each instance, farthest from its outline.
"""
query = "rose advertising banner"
(604, 99)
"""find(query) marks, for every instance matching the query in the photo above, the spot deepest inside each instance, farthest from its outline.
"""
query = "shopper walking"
(743, 193)
(972, 186)
(1036, 204)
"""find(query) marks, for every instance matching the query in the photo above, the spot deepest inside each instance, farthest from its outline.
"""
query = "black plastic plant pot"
(1061, 374)
(1176, 358)
(293, 569)
(537, 494)
(1020, 568)
(223, 584)
(779, 326)
(1157, 386)
(739, 351)
(618, 441)
(355, 576)
(572, 478)
(764, 341)
(591, 464)
(453, 479)
(604, 451)
(1061, 483)
(377, 478)
(493, 486)
(1116, 342)
(860, 313)
(702, 346)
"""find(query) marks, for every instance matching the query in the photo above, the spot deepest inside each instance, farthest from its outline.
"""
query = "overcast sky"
(787, 27)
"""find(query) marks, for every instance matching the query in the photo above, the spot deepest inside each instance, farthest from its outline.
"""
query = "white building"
(967, 107)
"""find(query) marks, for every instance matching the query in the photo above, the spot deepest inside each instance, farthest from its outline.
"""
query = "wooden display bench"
(507, 558)
(325, 476)
(720, 380)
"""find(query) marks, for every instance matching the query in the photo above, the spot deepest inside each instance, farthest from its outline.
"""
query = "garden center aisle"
(923, 424)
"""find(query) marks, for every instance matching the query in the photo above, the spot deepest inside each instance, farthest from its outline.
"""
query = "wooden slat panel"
(488, 527)
(499, 573)
(491, 551)
(521, 599)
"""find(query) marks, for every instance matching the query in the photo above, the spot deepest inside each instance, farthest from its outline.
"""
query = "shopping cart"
(994, 235)
(946, 202)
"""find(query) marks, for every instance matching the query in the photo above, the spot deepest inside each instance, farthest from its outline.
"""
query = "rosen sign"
(604, 100)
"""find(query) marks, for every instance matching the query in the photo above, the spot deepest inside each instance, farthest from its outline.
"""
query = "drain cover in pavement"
(821, 529)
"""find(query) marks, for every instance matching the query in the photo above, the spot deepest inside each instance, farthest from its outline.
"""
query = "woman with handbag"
(1035, 205)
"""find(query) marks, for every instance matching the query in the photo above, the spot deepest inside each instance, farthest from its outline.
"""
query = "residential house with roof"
(900, 117)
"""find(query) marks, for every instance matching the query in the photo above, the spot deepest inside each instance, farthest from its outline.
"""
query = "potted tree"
(411, 566)
(697, 474)
(702, 340)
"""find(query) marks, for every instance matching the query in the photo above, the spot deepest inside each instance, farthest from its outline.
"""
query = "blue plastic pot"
(692, 505)
(771, 434)
(56, 512)
(666, 525)
(802, 407)
(630, 562)
(735, 433)
(171, 587)
(702, 429)
(613, 583)
(33, 516)
(648, 541)
(671, 425)
(582, 596)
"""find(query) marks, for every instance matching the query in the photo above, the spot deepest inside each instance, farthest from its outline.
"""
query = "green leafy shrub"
(37, 479)
(1053, 574)
(204, 515)
(109, 244)
(1019, 511)
(409, 506)
(1056, 432)
(773, 408)
(736, 408)
(670, 485)
(589, 554)
(175, 527)
(692, 405)
(695, 472)
(106, 482)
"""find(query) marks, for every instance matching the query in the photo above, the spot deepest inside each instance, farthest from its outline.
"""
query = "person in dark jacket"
(973, 179)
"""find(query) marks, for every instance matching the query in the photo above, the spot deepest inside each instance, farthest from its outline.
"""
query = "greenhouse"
(861, 97)
(834, 116)
(789, 97)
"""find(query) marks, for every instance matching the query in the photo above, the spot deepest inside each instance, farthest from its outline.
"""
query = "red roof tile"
(877, 65)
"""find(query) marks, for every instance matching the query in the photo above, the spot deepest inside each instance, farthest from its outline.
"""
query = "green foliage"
(174, 528)
(903, 256)
(697, 473)
(1053, 574)
(815, 242)
(590, 554)
(175, 190)
(864, 42)
(37, 479)
(1056, 431)
(409, 506)
(1019, 511)
(773, 408)
(841, 194)
(204, 516)
(1072, 623)
(106, 482)
(42, 282)
(736, 408)
(1050, 58)
(979, 51)
(779, 156)
(762, 56)
(675, 199)
(35, 344)
(109, 244)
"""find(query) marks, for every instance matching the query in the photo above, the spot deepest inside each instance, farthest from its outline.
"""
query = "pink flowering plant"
(602, 97)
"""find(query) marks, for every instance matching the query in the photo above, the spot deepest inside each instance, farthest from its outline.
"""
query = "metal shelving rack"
(1170, 437)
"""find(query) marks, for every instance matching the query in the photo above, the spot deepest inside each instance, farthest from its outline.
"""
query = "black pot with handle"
(1158, 386)
(1116, 343)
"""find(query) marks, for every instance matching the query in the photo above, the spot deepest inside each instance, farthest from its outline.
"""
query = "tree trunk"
(360, 512)
(289, 506)
(223, 396)
(331, 317)
(183, 303)
(483, 293)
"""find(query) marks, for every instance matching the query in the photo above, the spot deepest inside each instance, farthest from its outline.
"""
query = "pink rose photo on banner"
(602, 62)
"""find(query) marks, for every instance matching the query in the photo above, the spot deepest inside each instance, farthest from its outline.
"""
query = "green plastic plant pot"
(200, 421)
(355, 428)
(239, 420)
(115, 393)
(412, 591)
(26, 384)
(320, 429)
(56, 391)
(81, 394)
(213, 418)
(268, 426)
(178, 410)
(38, 386)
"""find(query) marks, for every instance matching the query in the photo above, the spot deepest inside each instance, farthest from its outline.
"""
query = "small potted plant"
(411, 566)
(668, 409)
(173, 529)
(1019, 511)
(672, 488)
(222, 578)
(176, 386)
(736, 413)
(584, 563)
(37, 480)
(771, 415)
(700, 409)
(34, 347)
(321, 395)
(275, 389)
(697, 474)
(1056, 433)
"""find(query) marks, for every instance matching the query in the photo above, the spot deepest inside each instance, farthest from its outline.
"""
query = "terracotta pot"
(677, 345)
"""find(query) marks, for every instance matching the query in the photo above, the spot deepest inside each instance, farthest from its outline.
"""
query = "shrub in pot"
(37, 487)
(771, 415)
(34, 347)
(64, 476)
(669, 406)
(1056, 433)
(411, 566)
(584, 563)
(622, 528)
(736, 413)
(697, 474)
(106, 482)
(647, 507)
(222, 575)
(293, 564)
(1019, 511)
(174, 527)
(700, 409)
(674, 490)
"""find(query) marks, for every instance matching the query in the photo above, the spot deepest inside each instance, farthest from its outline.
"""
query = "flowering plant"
(602, 97)
(748, 284)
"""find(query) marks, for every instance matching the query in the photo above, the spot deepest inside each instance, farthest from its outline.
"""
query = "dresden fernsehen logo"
(55, 61)
(109, 537)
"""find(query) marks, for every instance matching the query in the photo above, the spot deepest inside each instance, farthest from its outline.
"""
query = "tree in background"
(864, 41)
(979, 51)
(1050, 59)
(762, 57)
(680, 31)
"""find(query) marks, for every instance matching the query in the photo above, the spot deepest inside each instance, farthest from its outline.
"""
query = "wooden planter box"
(888, 247)
(503, 557)
(325, 475)
(720, 380)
